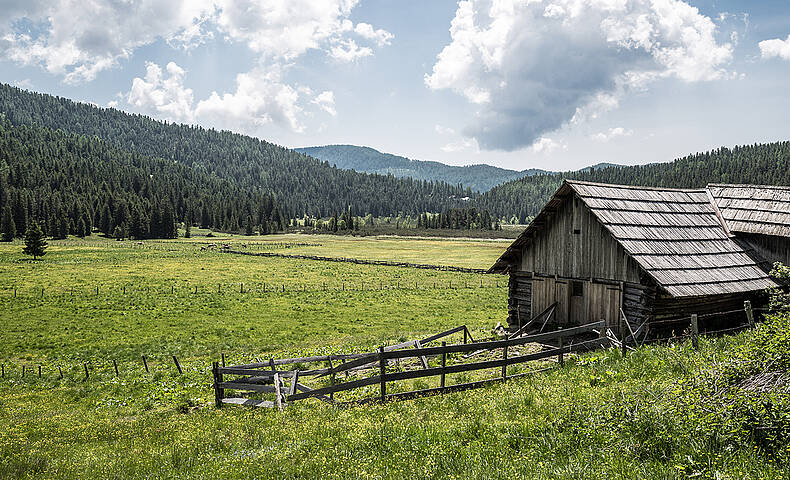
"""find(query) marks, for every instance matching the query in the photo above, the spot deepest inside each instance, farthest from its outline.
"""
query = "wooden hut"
(656, 255)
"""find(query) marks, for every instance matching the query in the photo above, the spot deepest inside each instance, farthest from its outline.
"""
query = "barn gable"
(674, 236)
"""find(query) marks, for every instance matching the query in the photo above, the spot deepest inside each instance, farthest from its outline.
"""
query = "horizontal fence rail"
(256, 377)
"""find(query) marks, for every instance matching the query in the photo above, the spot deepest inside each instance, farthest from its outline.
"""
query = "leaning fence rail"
(264, 378)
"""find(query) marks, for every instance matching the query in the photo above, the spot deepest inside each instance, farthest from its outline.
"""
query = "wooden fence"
(266, 378)
(359, 261)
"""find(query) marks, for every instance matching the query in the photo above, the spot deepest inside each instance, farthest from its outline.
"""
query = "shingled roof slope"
(761, 209)
(674, 235)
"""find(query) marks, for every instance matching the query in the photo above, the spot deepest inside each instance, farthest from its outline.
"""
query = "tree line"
(72, 185)
(762, 164)
(299, 184)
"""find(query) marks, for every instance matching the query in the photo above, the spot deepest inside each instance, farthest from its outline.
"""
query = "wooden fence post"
(39, 371)
(145, 364)
(115, 365)
(444, 361)
(219, 393)
(278, 392)
(560, 356)
(223, 359)
(86, 370)
(331, 377)
(382, 373)
(178, 365)
(623, 336)
(504, 365)
(694, 331)
(466, 332)
(747, 305)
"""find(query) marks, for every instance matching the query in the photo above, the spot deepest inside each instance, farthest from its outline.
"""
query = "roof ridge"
(634, 187)
(749, 185)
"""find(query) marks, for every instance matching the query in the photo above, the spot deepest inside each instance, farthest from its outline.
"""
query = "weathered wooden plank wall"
(575, 245)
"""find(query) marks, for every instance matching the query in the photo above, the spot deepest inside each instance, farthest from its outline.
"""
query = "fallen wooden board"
(249, 402)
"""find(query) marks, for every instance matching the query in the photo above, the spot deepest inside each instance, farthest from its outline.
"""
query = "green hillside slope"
(300, 184)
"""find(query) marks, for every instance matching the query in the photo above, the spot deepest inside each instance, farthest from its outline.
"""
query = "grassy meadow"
(663, 412)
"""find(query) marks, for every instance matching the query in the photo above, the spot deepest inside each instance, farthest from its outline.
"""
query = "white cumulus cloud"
(78, 39)
(532, 66)
(775, 48)
(326, 101)
(611, 134)
(162, 96)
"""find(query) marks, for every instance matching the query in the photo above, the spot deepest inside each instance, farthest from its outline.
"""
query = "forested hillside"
(299, 183)
(479, 178)
(767, 164)
(70, 183)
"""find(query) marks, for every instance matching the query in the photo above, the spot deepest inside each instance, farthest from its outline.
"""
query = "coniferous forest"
(297, 183)
(76, 168)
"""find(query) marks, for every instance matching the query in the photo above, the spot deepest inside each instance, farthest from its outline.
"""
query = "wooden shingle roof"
(760, 209)
(675, 236)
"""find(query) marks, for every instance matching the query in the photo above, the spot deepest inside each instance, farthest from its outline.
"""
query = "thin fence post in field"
(331, 377)
(747, 305)
(363, 285)
(23, 371)
(178, 365)
(196, 288)
(60, 371)
(42, 292)
(466, 333)
(504, 364)
(2, 368)
(172, 289)
(695, 331)
(444, 363)
(115, 366)
(124, 289)
(283, 288)
(219, 288)
(223, 359)
(560, 356)
(86, 370)
(219, 393)
(39, 371)
(15, 293)
(145, 364)
(344, 286)
(97, 289)
(278, 392)
(624, 337)
(382, 373)
(242, 288)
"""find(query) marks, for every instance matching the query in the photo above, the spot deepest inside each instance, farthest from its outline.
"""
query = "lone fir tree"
(34, 241)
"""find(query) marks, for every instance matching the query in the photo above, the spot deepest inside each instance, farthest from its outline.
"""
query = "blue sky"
(554, 84)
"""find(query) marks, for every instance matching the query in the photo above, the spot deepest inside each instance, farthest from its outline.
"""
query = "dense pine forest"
(766, 164)
(71, 184)
(75, 167)
(298, 183)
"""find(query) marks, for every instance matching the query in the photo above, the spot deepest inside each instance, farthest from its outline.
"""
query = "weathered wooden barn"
(656, 254)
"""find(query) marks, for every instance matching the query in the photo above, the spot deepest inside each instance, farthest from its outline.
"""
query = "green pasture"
(664, 412)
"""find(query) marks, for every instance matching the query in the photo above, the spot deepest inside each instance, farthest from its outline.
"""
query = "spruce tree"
(8, 227)
(35, 244)
(187, 230)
